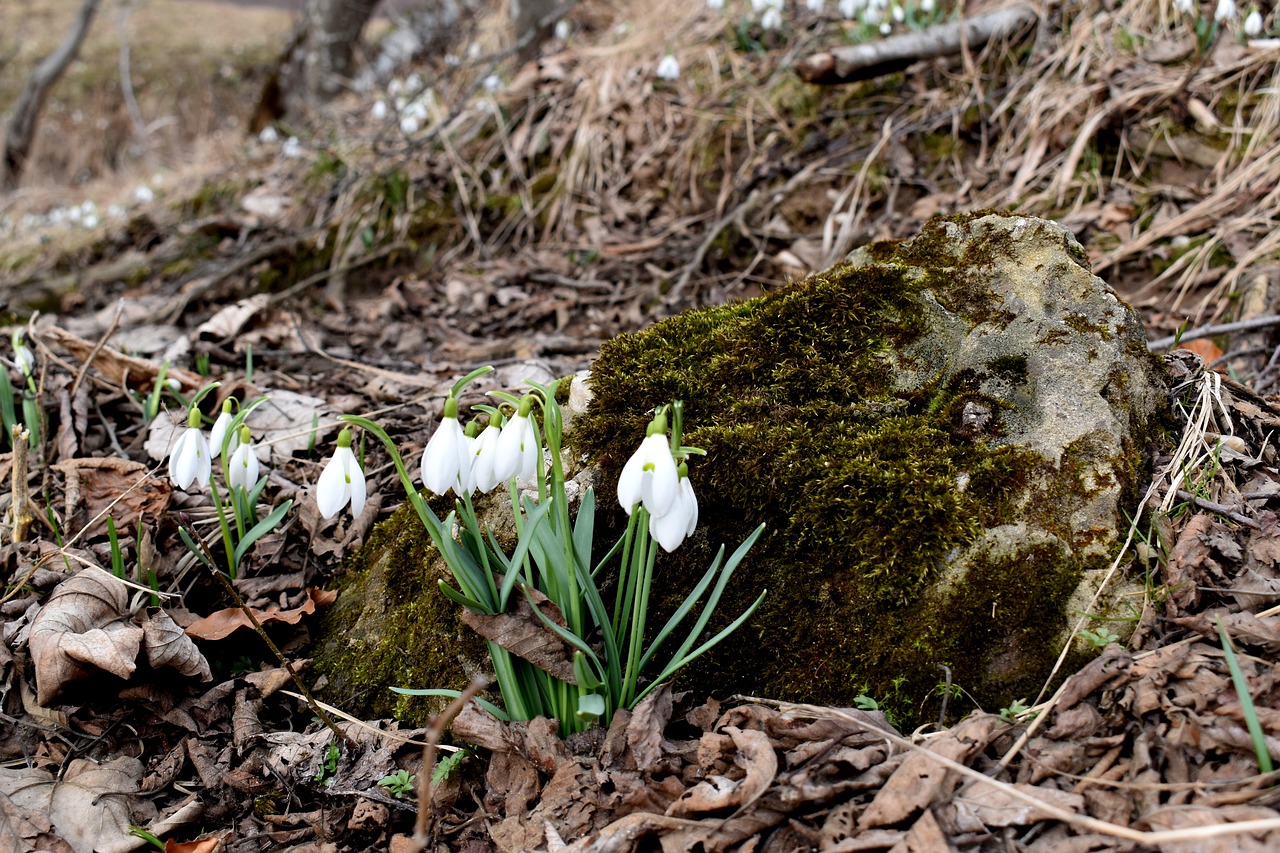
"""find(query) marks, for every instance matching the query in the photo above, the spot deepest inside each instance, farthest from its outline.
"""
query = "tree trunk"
(328, 60)
(26, 113)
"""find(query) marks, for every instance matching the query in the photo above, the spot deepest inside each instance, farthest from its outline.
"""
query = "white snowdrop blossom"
(242, 471)
(485, 453)
(897, 13)
(492, 83)
(815, 5)
(671, 529)
(341, 481)
(927, 6)
(563, 29)
(409, 125)
(885, 28)
(190, 461)
(292, 148)
(715, 4)
(23, 356)
(1226, 11)
(1253, 24)
(446, 463)
(268, 135)
(668, 68)
(517, 450)
(143, 194)
(218, 434)
(379, 110)
(1185, 7)
(849, 8)
(757, 6)
(650, 476)
(771, 19)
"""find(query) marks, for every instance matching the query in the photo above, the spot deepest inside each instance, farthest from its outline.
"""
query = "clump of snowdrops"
(604, 651)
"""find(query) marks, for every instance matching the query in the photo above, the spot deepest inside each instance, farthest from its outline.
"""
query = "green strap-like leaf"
(262, 528)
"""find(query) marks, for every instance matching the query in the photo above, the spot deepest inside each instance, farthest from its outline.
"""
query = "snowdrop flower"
(898, 13)
(650, 476)
(409, 125)
(671, 529)
(143, 194)
(446, 463)
(341, 481)
(243, 469)
(517, 451)
(563, 28)
(885, 28)
(771, 19)
(484, 454)
(849, 8)
(268, 135)
(190, 460)
(1226, 10)
(23, 356)
(715, 4)
(218, 434)
(815, 5)
(668, 68)
(1184, 7)
(1253, 24)
(379, 110)
(292, 148)
(927, 6)
(492, 83)
(757, 6)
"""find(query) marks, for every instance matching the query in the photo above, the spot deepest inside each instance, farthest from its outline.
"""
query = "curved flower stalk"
(554, 557)
(222, 428)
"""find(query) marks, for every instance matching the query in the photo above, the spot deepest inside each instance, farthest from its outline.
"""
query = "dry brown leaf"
(168, 646)
(223, 623)
(81, 628)
(202, 845)
(111, 486)
(996, 807)
(28, 829)
(522, 633)
(231, 319)
(90, 806)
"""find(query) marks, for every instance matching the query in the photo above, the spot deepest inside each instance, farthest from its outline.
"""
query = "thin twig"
(19, 502)
(1264, 322)
(1222, 509)
(438, 724)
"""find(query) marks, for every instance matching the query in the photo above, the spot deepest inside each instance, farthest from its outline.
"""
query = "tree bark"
(26, 113)
(333, 29)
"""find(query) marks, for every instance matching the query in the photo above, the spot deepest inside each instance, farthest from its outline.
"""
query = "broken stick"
(873, 59)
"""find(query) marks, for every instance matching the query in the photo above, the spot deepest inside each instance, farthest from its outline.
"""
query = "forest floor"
(523, 217)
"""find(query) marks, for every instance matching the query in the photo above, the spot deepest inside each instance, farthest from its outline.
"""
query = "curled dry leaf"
(223, 623)
(111, 486)
(522, 633)
(83, 627)
(89, 806)
(168, 646)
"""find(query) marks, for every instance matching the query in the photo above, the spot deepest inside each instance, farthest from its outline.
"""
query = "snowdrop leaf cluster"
(555, 554)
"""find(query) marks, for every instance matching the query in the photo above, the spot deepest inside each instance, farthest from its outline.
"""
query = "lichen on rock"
(942, 435)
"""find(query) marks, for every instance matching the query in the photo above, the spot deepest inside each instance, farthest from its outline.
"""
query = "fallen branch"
(885, 56)
(1250, 325)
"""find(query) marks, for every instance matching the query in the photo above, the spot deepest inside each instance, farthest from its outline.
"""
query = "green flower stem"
(226, 528)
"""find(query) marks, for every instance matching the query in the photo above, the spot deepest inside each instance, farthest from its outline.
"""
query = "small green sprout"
(399, 784)
(1016, 709)
(448, 765)
(329, 766)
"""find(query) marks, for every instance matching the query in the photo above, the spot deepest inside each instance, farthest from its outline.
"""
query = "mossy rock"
(942, 436)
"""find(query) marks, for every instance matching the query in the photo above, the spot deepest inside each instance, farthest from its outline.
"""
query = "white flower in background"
(650, 475)
(446, 462)
(885, 28)
(563, 28)
(849, 9)
(378, 112)
(485, 453)
(190, 461)
(668, 68)
(927, 6)
(871, 16)
(1253, 24)
(292, 148)
(715, 4)
(341, 481)
(269, 135)
(671, 529)
(116, 211)
(242, 470)
(815, 5)
(218, 434)
(1226, 10)
(897, 13)
(22, 355)
(757, 6)
(492, 83)
(143, 194)
(1184, 7)
(771, 19)
(409, 125)
(517, 451)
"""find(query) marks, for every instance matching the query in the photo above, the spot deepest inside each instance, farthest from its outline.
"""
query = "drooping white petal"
(486, 451)
(243, 468)
(690, 505)
(444, 457)
(190, 459)
(663, 485)
(219, 433)
(1253, 24)
(631, 481)
(355, 476)
(338, 483)
(517, 452)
